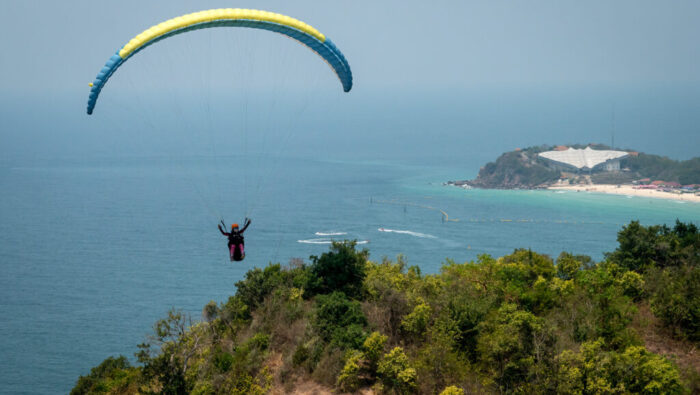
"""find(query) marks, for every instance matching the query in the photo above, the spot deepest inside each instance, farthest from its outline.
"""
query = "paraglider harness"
(236, 242)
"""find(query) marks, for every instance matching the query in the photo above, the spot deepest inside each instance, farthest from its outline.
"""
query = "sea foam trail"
(326, 241)
(408, 232)
(330, 233)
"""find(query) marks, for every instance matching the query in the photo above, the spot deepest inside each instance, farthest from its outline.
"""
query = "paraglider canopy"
(271, 21)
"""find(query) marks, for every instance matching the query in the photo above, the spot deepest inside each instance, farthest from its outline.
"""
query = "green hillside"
(521, 323)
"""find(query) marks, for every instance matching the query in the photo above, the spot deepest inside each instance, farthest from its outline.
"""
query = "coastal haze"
(107, 221)
(446, 79)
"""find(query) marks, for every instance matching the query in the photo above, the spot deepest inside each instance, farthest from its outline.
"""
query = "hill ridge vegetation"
(521, 323)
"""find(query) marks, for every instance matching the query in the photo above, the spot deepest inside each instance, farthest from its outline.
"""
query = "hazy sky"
(419, 51)
(50, 44)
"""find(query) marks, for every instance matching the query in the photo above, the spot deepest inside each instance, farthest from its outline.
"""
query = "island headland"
(591, 168)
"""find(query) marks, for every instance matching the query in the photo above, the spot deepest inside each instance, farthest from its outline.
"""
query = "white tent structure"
(586, 159)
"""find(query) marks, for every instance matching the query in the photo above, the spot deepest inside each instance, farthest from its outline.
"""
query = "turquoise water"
(93, 252)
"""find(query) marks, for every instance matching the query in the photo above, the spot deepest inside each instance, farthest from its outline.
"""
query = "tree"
(568, 265)
(676, 300)
(258, 284)
(416, 322)
(341, 269)
(515, 348)
(340, 321)
(113, 374)
(641, 247)
(525, 276)
(603, 309)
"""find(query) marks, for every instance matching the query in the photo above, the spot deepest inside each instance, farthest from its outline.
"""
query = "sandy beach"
(628, 190)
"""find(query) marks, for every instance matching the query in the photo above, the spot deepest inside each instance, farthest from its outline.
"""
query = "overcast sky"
(52, 49)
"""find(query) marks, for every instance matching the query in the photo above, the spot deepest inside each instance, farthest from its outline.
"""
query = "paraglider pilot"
(236, 242)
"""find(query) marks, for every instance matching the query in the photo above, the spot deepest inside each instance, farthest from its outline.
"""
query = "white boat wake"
(408, 232)
(326, 241)
(330, 233)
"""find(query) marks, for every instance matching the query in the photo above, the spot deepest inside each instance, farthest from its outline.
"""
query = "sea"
(94, 251)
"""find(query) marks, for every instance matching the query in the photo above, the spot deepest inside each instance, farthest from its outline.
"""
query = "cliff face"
(515, 169)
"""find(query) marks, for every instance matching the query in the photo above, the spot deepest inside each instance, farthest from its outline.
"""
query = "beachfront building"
(583, 160)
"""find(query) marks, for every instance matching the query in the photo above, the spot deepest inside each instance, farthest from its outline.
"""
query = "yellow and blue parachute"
(282, 24)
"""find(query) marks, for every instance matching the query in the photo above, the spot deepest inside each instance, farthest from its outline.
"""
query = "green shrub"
(341, 269)
(593, 370)
(260, 341)
(676, 300)
(259, 283)
(210, 311)
(416, 322)
(603, 309)
(235, 312)
(247, 384)
(396, 373)
(112, 374)
(339, 320)
(349, 378)
(452, 390)
(223, 361)
(301, 354)
(373, 348)
(568, 265)
(514, 346)
(525, 276)
(632, 284)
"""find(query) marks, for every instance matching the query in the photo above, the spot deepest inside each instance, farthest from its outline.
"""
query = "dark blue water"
(94, 252)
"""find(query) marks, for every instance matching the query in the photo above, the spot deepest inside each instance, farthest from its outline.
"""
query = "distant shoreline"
(628, 190)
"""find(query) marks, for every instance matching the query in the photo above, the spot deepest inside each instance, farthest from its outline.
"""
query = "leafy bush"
(568, 265)
(525, 277)
(339, 320)
(416, 322)
(607, 311)
(632, 284)
(341, 269)
(247, 384)
(396, 373)
(593, 370)
(515, 347)
(349, 378)
(452, 390)
(466, 313)
(677, 300)
(373, 348)
(438, 361)
(112, 374)
(223, 361)
(259, 283)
